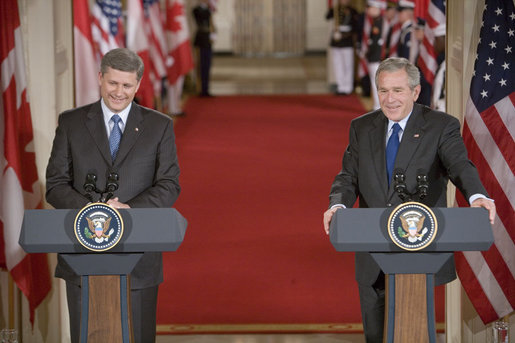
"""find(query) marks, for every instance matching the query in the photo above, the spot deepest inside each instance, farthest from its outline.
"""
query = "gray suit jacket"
(431, 144)
(146, 164)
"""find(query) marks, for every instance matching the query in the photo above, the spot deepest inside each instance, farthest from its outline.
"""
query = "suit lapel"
(96, 126)
(410, 142)
(133, 129)
(377, 147)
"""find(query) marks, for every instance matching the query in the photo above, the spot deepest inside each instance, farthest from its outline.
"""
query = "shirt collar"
(124, 114)
(402, 123)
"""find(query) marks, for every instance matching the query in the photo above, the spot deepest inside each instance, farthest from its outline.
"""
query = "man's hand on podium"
(115, 203)
(328, 215)
(488, 205)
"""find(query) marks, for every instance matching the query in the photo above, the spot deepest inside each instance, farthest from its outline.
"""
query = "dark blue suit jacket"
(146, 164)
(431, 144)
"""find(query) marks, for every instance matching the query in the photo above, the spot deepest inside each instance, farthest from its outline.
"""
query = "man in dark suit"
(203, 43)
(145, 160)
(430, 143)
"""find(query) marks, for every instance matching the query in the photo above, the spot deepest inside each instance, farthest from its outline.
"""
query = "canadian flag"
(19, 188)
(180, 61)
(86, 57)
(137, 41)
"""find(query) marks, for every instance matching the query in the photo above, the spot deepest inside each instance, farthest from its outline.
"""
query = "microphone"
(112, 182)
(90, 185)
(422, 185)
(399, 180)
(111, 186)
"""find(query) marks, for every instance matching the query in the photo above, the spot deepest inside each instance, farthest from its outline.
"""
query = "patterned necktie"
(115, 137)
(391, 150)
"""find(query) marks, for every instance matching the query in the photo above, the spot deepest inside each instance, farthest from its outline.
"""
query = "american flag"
(489, 131)
(157, 43)
(395, 35)
(435, 18)
(107, 26)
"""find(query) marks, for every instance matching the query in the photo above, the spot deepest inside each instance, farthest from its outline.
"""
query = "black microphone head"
(90, 183)
(421, 178)
(422, 184)
(112, 182)
(398, 175)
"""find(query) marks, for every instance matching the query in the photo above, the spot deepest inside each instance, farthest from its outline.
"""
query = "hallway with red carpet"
(255, 176)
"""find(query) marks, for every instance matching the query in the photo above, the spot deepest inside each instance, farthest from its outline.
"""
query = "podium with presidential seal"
(103, 245)
(410, 243)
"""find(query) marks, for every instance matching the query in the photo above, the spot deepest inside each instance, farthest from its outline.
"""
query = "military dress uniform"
(407, 48)
(374, 54)
(342, 46)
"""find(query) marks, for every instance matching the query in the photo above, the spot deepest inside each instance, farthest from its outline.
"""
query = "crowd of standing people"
(360, 41)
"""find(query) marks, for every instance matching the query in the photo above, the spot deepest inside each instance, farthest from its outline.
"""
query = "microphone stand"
(90, 185)
(422, 186)
(400, 186)
(402, 190)
(111, 187)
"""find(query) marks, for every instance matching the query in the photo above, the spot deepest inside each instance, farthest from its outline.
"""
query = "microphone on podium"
(90, 185)
(399, 180)
(111, 186)
(422, 185)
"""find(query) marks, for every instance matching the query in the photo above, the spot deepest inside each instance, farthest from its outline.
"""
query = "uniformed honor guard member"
(375, 42)
(408, 47)
(343, 40)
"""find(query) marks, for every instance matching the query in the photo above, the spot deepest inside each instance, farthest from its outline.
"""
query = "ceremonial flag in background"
(19, 188)
(85, 55)
(435, 21)
(180, 60)
(154, 28)
(178, 38)
(489, 131)
(107, 27)
(137, 41)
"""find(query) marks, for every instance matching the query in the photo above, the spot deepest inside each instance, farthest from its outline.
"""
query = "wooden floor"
(232, 75)
(263, 338)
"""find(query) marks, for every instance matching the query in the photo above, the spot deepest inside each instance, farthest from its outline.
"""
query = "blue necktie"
(391, 150)
(116, 136)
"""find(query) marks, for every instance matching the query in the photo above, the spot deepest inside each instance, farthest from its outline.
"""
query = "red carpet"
(255, 175)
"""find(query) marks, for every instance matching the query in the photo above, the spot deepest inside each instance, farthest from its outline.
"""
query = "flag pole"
(10, 302)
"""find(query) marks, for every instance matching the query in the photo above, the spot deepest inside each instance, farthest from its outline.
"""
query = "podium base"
(410, 314)
(105, 309)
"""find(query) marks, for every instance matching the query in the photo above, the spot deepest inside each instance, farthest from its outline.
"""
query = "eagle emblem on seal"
(98, 224)
(412, 223)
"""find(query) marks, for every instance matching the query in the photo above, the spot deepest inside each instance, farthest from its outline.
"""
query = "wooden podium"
(409, 307)
(105, 279)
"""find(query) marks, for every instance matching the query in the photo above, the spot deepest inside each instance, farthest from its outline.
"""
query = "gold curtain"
(269, 27)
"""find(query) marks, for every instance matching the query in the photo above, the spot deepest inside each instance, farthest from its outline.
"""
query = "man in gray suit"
(426, 142)
(144, 157)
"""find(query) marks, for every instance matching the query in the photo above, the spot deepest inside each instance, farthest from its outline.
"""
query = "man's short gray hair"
(124, 60)
(397, 63)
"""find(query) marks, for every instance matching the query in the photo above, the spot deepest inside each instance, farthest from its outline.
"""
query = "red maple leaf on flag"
(174, 12)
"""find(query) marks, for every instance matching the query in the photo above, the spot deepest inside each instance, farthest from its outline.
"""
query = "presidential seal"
(98, 227)
(412, 226)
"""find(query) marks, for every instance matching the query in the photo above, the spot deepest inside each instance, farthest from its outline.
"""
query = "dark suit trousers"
(372, 301)
(205, 57)
(143, 305)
